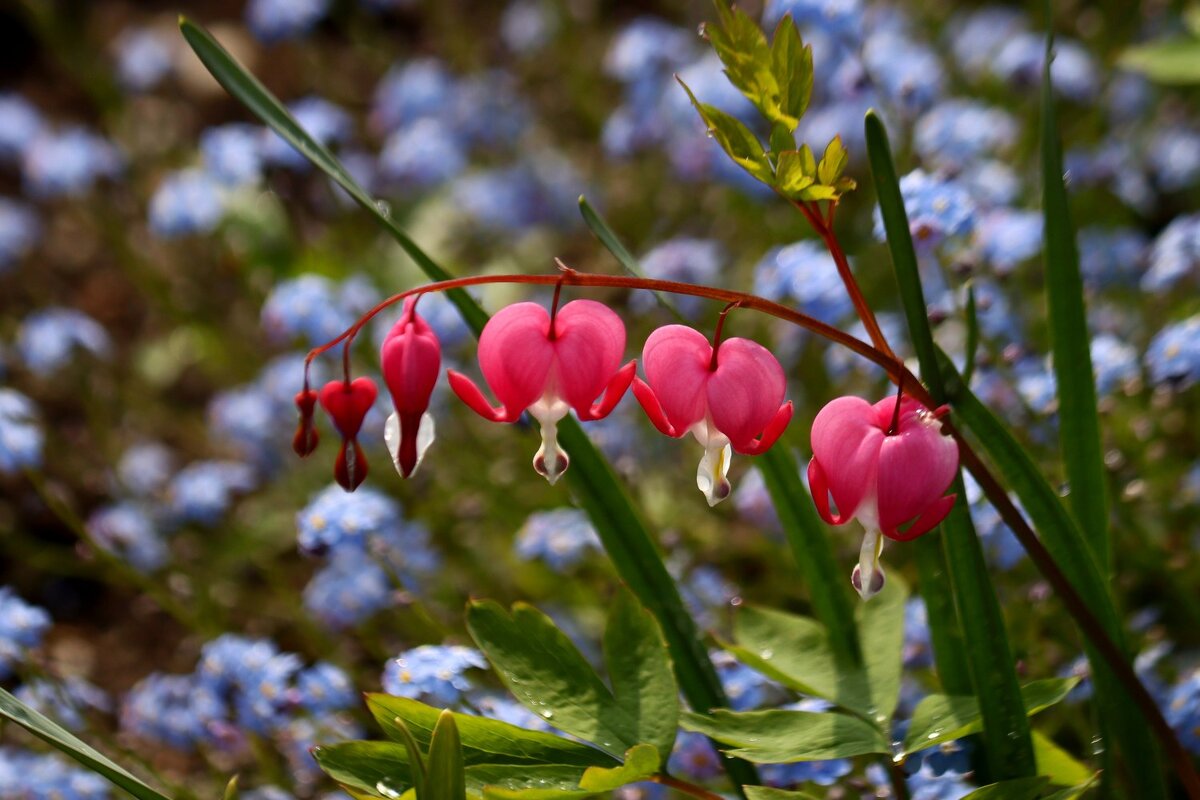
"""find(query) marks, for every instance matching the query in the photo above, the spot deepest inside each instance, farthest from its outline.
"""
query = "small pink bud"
(347, 404)
(733, 401)
(412, 358)
(886, 465)
(548, 367)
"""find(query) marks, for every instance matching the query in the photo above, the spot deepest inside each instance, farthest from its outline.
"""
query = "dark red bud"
(350, 469)
(306, 438)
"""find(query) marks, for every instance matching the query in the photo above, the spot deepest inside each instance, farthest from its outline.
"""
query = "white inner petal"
(550, 461)
(710, 475)
(426, 433)
(868, 579)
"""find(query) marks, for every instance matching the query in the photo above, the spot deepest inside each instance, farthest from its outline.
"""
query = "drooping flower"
(411, 357)
(347, 403)
(548, 364)
(730, 396)
(886, 465)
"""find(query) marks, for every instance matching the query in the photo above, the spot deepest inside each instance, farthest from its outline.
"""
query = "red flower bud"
(347, 404)
(412, 358)
(306, 438)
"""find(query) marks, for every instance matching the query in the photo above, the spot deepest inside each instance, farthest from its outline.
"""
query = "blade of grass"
(625, 537)
(1007, 745)
(49, 731)
(806, 534)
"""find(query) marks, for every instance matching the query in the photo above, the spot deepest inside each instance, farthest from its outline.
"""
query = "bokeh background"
(184, 592)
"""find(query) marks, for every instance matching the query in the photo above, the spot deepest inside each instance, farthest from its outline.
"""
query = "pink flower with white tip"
(886, 465)
(411, 357)
(729, 396)
(549, 363)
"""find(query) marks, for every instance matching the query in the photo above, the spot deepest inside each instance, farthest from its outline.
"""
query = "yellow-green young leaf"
(769, 793)
(639, 671)
(791, 61)
(231, 788)
(1174, 61)
(1036, 788)
(784, 737)
(738, 142)
(817, 192)
(808, 161)
(444, 778)
(640, 763)
(833, 163)
(789, 174)
(743, 49)
(1057, 764)
(782, 139)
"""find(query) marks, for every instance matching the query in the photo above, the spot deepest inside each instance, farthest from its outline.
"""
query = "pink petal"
(516, 356)
(588, 349)
(411, 359)
(916, 466)
(845, 443)
(676, 360)
(649, 403)
(745, 391)
(929, 519)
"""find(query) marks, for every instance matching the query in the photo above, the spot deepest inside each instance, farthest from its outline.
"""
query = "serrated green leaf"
(738, 142)
(1035, 788)
(942, 718)
(749, 64)
(484, 741)
(792, 64)
(1057, 764)
(52, 733)
(641, 762)
(547, 673)
(783, 737)
(444, 779)
(639, 671)
(790, 178)
(1171, 61)
(770, 793)
(833, 163)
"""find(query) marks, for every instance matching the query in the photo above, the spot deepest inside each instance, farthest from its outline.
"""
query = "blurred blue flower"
(46, 338)
(203, 491)
(65, 701)
(1173, 356)
(35, 776)
(409, 91)
(1037, 385)
(314, 308)
(1008, 237)
(68, 163)
(991, 183)
(805, 274)
(145, 468)
(20, 230)
(488, 110)
(422, 153)
(20, 437)
(561, 538)
(646, 47)
(953, 757)
(927, 784)
(263, 697)
(1115, 363)
(184, 203)
(1174, 157)
(512, 199)
(20, 125)
(126, 531)
(822, 773)
(694, 757)
(348, 590)
(505, 709)
(299, 736)
(956, 132)
(706, 78)
(22, 626)
(276, 20)
(938, 209)
(908, 74)
(976, 36)
(753, 502)
(841, 18)
(1175, 254)
(527, 26)
(435, 674)
(747, 689)
(250, 421)
(1021, 59)
(233, 153)
(1110, 257)
(681, 259)
(1183, 711)
(336, 520)
(177, 710)
(325, 122)
(144, 58)
(324, 688)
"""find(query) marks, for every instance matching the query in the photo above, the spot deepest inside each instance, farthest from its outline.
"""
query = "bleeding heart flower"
(886, 465)
(728, 397)
(347, 403)
(411, 357)
(548, 365)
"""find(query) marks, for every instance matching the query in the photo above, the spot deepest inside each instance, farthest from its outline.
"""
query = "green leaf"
(1035, 788)
(782, 141)
(789, 174)
(738, 142)
(416, 761)
(749, 63)
(769, 793)
(641, 762)
(639, 670)
(972, 346)
(484, 741)
(231, 788)
(1171, 61)
(547, 673)
(259, 100)
(1078, 419)
(444, 778)
(52, 733)
(381, 769)
(961, 572)
(782, 737)
(489, 779)
(943, 718)
(796, 652)
(1057, 764)
(792, 64)
(829, 587)
(833, 163)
